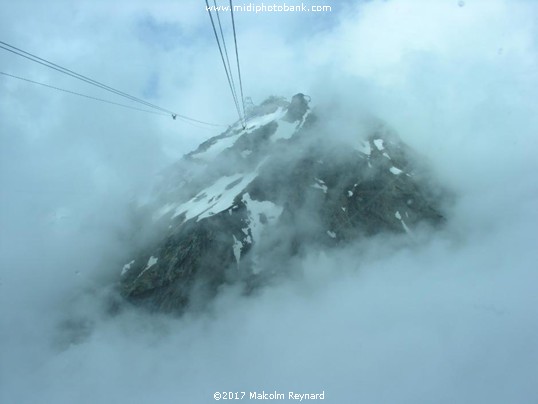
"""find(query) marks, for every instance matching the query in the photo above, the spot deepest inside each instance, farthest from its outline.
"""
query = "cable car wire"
(82, 95)
(223, 61)
(237, 58)
(54, 66)
(226, 53)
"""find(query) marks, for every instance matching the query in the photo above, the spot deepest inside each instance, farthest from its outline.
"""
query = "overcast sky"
(454, 319)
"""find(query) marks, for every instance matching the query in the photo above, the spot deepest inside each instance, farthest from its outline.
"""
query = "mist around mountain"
(239, 208)
(447, 315)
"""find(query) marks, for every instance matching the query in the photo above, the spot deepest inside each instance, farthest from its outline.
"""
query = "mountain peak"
(248, 200)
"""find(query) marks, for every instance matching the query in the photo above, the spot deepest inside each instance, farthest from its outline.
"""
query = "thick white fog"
(453, 318)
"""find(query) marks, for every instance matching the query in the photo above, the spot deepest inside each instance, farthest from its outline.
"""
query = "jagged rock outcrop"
(244, 202)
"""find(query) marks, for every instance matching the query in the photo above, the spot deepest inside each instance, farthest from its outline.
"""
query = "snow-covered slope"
(246, 201)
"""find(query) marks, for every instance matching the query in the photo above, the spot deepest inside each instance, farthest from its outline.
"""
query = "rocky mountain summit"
(243, 203)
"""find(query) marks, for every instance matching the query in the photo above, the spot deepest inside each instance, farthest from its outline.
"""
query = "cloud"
(449, 319)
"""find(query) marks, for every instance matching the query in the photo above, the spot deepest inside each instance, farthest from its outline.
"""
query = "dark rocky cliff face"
(246, 201)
